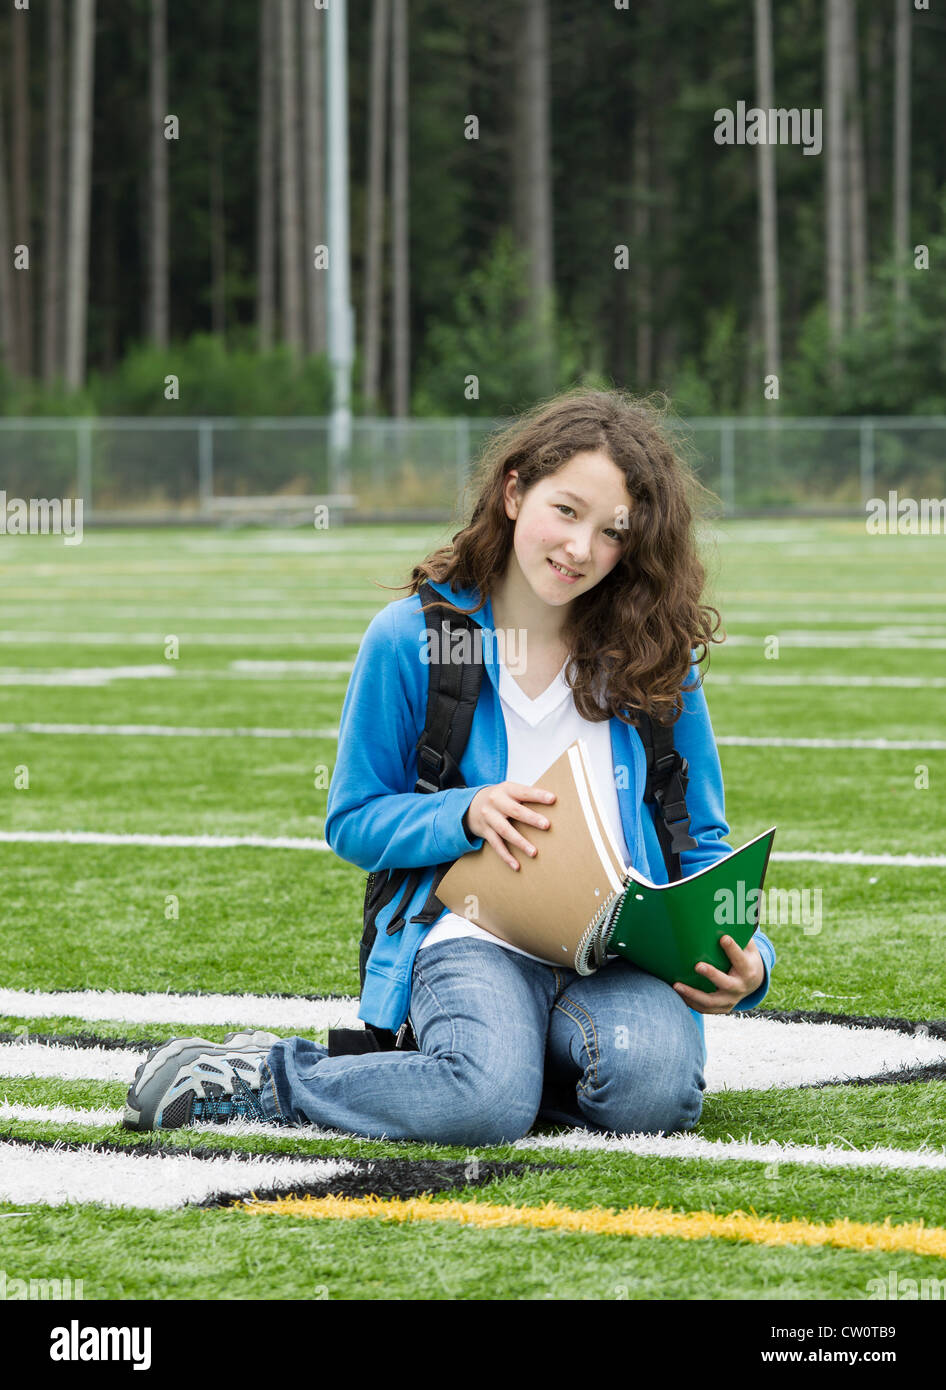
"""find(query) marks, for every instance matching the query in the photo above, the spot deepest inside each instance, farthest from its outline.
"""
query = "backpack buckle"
(429, 761)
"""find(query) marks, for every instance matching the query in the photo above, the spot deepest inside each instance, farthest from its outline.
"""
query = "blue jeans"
(505, 1040)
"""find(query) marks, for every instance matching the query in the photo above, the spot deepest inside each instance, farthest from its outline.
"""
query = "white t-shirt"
(537, 732)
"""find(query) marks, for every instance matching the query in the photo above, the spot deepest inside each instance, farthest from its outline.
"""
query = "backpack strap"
(667, 781)
(453, 688)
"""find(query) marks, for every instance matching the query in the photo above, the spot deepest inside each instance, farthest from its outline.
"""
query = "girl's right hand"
(491, 810)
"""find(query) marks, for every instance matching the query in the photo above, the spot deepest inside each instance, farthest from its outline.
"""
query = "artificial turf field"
(106, 733)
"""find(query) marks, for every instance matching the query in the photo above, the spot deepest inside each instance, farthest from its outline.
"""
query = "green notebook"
(667, 928)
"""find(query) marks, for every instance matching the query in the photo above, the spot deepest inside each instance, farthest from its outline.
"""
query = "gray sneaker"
(188, 1080)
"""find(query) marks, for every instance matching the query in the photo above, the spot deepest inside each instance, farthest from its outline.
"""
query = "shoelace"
(222, 1109)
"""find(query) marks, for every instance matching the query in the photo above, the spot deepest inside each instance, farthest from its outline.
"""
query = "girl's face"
(575, 518)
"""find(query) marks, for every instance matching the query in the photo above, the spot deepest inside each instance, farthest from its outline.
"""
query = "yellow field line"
(914, 1237)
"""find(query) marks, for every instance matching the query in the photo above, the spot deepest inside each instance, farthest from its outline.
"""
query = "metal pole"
(84, 466)
(340, 313)
(463, 455)
(867, 461)
(205, 465)
(727, 468)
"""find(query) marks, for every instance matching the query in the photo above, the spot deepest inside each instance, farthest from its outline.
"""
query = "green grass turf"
(266, 921)
(234, 1255)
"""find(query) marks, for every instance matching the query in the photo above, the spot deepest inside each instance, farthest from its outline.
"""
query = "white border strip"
(157, 1181)
(191, 1010)
(584, 798)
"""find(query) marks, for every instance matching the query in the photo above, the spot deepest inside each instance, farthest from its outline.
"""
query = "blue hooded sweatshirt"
(376, 820)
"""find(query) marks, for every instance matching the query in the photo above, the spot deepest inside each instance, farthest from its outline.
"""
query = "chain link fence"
(238, 470)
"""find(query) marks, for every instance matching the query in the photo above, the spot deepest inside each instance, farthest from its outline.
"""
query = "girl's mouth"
(567, 578)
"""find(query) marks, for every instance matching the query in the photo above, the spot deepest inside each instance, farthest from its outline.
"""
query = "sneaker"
(189, 1080)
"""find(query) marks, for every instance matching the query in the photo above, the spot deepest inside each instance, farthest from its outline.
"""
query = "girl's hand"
(491, 810)
(746, 975)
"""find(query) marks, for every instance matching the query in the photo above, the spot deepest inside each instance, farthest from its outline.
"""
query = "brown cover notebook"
(546, 907)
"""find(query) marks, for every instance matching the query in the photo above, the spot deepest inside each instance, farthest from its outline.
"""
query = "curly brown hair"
(638, 627)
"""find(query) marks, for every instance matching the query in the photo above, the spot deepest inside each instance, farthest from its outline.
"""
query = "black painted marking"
(84, 1040)
(931, 1028)
(393, 1177)
(155, 1148)
(932, 1071)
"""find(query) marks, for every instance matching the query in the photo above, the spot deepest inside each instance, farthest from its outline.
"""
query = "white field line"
(61, 1114)
(68, 1063)
(795, 638)
(576, 1140)
(884, 745)
(166, 731)
(856, 856)
(238, 670)
(859, 681)
(84, 675)
(743, 1055)
(193, 639)
(190, 1010)
(772, 1152)
(95, 837)
(800, 638)
(272, 670)
(156, 1181)
(189, 731)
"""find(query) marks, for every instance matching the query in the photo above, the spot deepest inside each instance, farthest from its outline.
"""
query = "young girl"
(580, 559)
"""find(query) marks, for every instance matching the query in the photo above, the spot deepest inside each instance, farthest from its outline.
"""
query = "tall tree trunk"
(314, 173)
(901, 148)
(218, 233)
(533, 186)
(7, 304)
(374, 213)
(22, 279)
(266, 182)
(834, 167)
(856, 180)
(641, 223)
(80, 161)
(215, 180)
(290, 226)
(765, 166)
(400, 263)
(158, 314)
(877, 30)
(52, 247)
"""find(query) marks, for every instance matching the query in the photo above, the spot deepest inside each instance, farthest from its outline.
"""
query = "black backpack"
(452, 693)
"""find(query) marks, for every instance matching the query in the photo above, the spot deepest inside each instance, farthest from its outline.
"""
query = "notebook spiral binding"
(596, 936)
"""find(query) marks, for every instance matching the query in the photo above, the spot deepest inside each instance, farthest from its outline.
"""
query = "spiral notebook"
(576, 902)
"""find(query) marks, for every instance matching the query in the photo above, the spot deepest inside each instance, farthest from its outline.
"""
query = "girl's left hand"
(746, 975)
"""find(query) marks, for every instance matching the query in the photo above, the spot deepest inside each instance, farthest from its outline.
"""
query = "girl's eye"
(564, 506)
